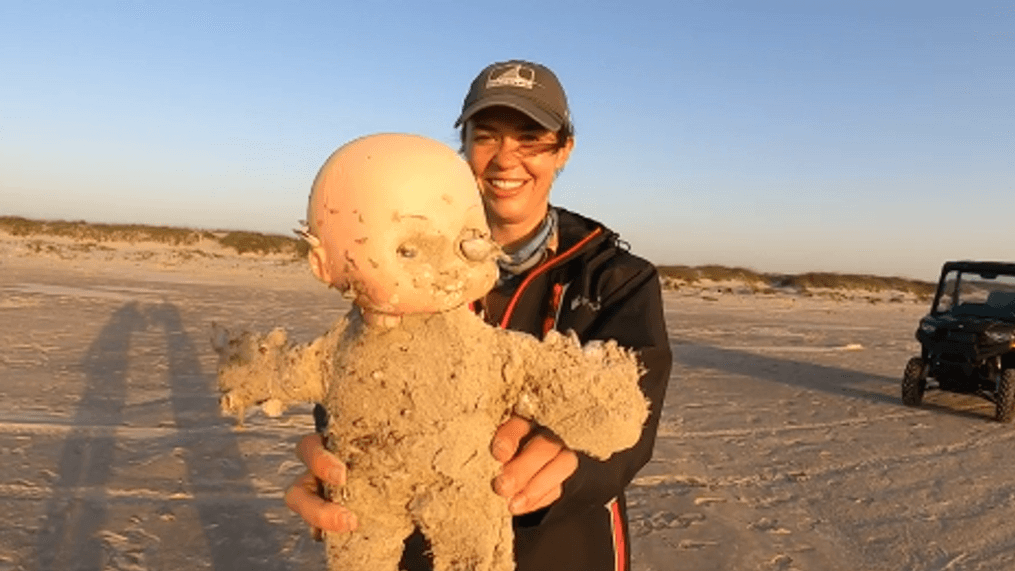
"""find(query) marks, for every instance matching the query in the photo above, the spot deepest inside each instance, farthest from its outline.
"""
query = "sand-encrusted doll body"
(415, 384)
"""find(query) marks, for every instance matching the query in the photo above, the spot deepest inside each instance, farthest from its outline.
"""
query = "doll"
(415, 383)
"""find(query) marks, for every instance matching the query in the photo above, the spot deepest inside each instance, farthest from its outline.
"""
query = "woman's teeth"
(506, 184)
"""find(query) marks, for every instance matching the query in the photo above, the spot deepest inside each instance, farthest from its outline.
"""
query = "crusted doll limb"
(588, 396)
(377, 543)
(272, 371)
(457, 542)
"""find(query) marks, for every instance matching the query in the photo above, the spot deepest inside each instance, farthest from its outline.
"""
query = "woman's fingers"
(303, 498)
(319, 461)
(508, 438)
(534, 477)
(304, 494)
(546, 485)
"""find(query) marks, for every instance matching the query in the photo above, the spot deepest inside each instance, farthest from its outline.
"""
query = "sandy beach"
(784, 443)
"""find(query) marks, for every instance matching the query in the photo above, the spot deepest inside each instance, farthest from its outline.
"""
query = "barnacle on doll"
(414, 382)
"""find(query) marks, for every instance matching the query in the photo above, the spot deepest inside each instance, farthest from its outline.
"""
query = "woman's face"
(515, 160)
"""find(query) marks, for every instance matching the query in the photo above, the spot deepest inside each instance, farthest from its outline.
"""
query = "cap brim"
(518, 103)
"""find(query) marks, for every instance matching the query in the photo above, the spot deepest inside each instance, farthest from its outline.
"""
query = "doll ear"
(318, 259)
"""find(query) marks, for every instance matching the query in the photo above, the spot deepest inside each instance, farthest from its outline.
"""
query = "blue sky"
(859, 137)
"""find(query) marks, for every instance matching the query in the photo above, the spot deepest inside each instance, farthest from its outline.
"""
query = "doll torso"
(423, 397)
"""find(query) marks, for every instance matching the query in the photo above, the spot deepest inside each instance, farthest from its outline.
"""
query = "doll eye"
(407, 251)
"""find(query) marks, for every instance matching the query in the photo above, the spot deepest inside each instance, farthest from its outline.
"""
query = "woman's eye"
(407, 251)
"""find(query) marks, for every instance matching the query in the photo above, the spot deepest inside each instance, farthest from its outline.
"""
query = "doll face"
(401, 226)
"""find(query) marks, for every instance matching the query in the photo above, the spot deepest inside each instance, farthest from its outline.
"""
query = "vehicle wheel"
(914, 382)
(1004, 397)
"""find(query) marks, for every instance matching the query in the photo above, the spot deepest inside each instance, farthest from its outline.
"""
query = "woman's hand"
(536, 463)
(304, 494)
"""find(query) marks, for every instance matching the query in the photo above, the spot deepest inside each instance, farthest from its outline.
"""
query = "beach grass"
(803, 283)
(247, 242)
(240, 241)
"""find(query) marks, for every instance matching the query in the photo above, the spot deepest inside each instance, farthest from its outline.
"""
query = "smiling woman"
(516, 135)
(515, 161)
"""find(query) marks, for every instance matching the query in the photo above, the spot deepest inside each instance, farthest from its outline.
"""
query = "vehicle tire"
(1004, 397)
(914, 382)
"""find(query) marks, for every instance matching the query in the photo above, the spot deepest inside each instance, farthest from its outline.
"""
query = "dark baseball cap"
(528, 87)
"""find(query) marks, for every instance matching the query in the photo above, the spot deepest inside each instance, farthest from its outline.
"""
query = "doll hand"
(536, 463)
(304, 494)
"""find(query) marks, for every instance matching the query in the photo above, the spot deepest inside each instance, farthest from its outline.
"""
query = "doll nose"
(477, 249)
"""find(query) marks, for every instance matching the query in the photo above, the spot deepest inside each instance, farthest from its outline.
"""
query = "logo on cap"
(512, 75)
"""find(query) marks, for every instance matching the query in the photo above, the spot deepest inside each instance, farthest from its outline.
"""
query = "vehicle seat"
(1003, 300)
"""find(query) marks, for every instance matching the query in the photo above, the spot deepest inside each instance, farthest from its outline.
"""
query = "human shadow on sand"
(237, 535)
(801, 374)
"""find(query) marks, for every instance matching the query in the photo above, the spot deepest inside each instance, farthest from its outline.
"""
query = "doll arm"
(272, 371)
(588, 396)
(634, 300)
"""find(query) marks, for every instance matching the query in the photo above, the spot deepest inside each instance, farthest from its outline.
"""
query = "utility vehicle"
(968, 338)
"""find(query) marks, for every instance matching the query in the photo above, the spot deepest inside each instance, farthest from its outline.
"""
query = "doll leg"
(376, 545)
(469, 530)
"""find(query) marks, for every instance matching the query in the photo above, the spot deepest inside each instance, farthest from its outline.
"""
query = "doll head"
(396, 221)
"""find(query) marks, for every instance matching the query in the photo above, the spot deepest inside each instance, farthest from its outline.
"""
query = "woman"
(566, 272)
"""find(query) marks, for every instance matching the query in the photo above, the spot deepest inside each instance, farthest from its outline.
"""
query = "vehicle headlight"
(999, 337)
(927, 328)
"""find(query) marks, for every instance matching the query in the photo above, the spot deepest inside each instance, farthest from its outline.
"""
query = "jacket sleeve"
(631, 312)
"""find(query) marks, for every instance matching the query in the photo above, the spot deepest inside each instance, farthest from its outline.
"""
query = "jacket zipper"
(542, 269)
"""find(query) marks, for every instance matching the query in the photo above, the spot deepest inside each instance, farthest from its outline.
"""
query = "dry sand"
(783, 445)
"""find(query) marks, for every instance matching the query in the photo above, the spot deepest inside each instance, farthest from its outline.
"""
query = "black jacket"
(599, 290)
